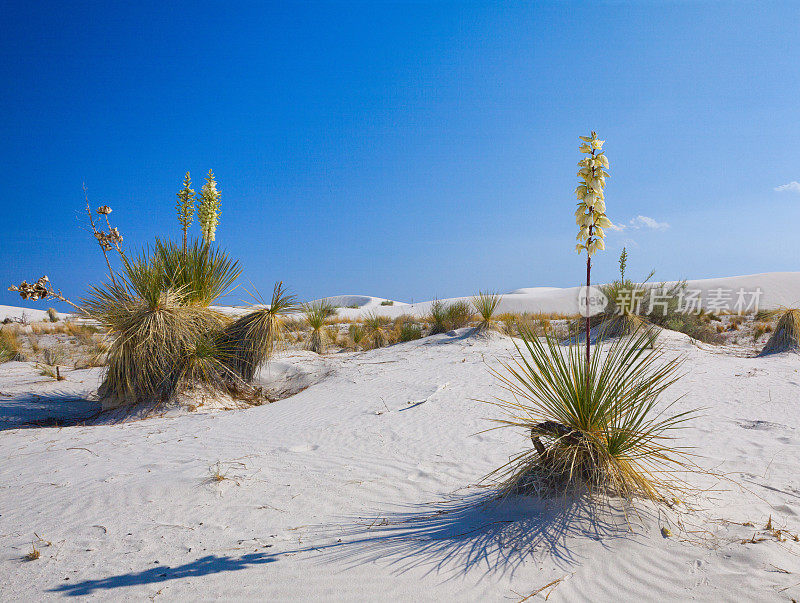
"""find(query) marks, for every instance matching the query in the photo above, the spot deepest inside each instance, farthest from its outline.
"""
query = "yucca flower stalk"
(185, 206)
(208, 208)
(590, 214)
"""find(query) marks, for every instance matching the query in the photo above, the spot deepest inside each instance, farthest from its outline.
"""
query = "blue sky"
(405, 150)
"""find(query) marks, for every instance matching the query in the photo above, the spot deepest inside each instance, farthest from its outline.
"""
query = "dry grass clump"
(786, 337)
(10, 346)
(513, 323)
(761, 328)
(33, 554)
(407, 331)
(334, 336)
(357, 333)
(316, 317)
(485, 305)
(598, 429)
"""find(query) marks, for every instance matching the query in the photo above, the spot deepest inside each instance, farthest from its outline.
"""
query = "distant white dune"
(15, 313)
(777, 290)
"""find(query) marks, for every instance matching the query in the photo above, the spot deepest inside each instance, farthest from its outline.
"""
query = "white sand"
(362, 487)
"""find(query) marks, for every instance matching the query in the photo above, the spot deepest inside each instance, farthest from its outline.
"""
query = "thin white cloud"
(791, 187)
(640, 222)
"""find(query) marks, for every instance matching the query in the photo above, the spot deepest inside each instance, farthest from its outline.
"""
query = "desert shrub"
(485, 305)
(458, 315)
(409, 332)
(598, 428)
(316, 316)
(52, 315)
(696, 326)
(387, 302)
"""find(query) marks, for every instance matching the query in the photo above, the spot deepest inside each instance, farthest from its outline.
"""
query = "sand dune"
(365, 486)
(777, 289)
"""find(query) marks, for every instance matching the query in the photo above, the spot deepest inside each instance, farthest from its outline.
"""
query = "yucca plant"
(154, 332)
(251, 339)
(786, 336)
(485, 305)
(375, 330)
(202, 273)
(594, 416)
(156, 309)
(597, 429)
(316, 316)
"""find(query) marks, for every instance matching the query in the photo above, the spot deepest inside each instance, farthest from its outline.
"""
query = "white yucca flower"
(208, 208)
(590, 215)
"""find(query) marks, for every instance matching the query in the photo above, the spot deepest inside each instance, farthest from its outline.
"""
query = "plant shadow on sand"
(54, 409)
(479, 530)
(205, 566)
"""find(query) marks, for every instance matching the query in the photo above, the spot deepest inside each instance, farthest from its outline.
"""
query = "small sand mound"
(786, 337)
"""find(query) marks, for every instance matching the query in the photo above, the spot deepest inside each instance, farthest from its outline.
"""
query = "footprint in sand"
(762, 425)
(299, 448)
(421, 473)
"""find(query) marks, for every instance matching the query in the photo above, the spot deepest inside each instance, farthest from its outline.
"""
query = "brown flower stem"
(95, 231)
